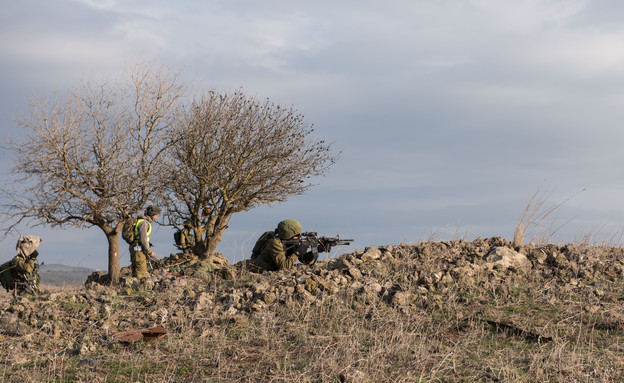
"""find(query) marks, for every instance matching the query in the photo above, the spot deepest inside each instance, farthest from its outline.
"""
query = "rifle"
(310, 240)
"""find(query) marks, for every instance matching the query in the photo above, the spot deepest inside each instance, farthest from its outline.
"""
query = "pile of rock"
(403, 276)
(398, 274)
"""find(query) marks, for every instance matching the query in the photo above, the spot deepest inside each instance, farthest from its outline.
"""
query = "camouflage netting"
(27, 244)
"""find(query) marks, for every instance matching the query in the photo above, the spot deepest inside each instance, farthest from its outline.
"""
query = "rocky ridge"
(408, 278)
(400, 275)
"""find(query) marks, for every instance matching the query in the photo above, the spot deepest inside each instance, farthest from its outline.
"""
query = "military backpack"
(261, 243)
(177, 237)
(190, 238)
(6, 277)
(127, 231)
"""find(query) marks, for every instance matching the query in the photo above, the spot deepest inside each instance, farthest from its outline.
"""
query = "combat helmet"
(152, 210)
(288, 228)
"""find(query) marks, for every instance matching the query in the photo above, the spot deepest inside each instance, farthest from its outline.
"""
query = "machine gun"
(310, 240)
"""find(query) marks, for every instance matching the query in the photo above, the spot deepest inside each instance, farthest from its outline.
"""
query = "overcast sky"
(449, 114)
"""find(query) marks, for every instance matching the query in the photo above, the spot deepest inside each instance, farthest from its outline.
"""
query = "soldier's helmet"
(187, 223)
(152, 210)
(288, 228)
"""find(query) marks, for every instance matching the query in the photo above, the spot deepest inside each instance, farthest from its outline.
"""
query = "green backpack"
(127, 230)
(6, 277)
(177, 237)
(261, 242)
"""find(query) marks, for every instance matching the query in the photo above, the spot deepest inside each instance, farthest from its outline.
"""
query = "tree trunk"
(199, 247)
(210, 244)
(114, 271)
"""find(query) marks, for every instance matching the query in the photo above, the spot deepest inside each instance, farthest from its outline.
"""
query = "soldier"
(22, 272)
(187, 238)
(140, 249)
(269, 253)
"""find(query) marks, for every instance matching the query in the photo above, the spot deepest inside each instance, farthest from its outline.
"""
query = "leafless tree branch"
(93, 157)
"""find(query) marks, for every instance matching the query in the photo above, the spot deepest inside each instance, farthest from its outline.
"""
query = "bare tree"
(234, 152)
(93, 158)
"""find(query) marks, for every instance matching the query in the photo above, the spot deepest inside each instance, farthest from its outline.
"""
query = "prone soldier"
(280, 249)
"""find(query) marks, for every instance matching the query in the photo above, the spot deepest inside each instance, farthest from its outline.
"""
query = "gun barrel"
(312, 238)
(338, 239)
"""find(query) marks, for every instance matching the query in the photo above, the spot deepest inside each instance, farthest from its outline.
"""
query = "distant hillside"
(59, 275)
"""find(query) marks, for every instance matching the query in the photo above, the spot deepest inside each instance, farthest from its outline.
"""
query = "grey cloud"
(448, 113)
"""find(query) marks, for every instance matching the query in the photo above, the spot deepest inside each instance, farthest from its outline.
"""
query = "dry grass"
(533, 219)
(482, 330)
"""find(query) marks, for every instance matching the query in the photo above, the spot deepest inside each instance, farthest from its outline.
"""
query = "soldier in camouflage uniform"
(269, 253)
(22, 272)
(141, 248)
(187, 238)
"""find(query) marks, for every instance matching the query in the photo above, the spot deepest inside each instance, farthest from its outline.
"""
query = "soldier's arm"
(143, 226)
(282, 261)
